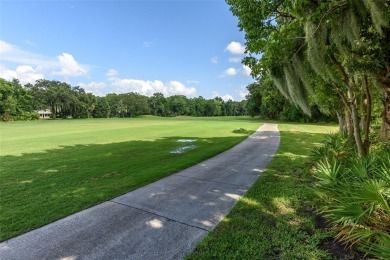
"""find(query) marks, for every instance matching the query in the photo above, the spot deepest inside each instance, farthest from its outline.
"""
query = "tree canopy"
(19, 102)
(334, 54)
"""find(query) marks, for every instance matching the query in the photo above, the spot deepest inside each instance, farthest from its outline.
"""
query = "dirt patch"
(337, 249)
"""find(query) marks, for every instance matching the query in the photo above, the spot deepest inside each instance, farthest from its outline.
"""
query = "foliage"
(267, 102)
(64, 101)
(354, 194)
(335, 147)
(240, 131)
(102, 108)
(14, 102)
(334, 54)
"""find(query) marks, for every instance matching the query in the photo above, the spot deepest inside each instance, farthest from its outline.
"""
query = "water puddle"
(186, 140)
(183, 149)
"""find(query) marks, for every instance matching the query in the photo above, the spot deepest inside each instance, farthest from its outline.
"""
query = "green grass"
(50, 169)
(274, 219)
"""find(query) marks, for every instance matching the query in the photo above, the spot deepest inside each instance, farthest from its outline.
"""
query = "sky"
(175, 47)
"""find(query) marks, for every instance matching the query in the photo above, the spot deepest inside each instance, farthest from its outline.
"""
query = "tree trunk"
(385, 127)
(367, 108)
(53, 112)
(340, 118)
(348, 122)
(356, 126)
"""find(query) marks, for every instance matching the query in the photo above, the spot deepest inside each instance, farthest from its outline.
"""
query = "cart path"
(162, 220)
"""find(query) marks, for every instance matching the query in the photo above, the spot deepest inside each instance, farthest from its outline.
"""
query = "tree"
(7, 101)
(198, 106)
(53, 94)
(307, 44)
(102, 108)
(157, 104)
(254, 99)
(178, 105)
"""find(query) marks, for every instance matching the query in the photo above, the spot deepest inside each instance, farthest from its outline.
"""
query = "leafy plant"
(335, 147)
(240, 131)
(355, 198)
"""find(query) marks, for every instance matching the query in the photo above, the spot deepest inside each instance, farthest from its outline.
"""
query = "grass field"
(275, 219)
(50, 169)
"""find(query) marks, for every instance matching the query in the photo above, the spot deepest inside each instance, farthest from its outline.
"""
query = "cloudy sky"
(191, 48)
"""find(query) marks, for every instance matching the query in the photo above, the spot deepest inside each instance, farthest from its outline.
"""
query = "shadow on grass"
(275, 219)
(38, 188)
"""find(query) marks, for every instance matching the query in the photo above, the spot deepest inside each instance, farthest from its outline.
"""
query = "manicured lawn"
(50, 169)
(274, 220)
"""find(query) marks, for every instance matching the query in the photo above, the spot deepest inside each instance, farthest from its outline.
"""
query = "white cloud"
(70, 67)
(230, 72)
(214, 60)
(25, 74)
(246, 71)
(148, 88)
(242, 92)
(235, 59)
(235, 48)
(96, 88)
(14, 54)
(5, 47)
(63, 65)
(227, 97)
(111, 73)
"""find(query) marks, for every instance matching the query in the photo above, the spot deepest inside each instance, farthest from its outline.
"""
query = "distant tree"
(178, 105)
(7, 101)
(102, 108)
(158, 104)
(254, 99)
(15, 101)
(54, 94)
(198, 106)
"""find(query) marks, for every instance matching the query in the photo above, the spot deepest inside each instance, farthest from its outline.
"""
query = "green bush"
(335, 147)
(240, 131)
(354, 195)
(26, 116)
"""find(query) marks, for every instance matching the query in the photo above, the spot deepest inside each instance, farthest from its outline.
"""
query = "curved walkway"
(163, 220)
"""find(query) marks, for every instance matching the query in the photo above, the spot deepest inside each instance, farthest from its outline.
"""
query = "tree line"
(19, 102)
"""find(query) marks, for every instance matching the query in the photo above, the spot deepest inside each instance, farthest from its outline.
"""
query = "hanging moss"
(315, 50)
(379, 12)
(279, 80)
(296, 88)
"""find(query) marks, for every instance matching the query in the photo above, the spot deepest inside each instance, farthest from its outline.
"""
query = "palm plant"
(335, 147)
(355, 199)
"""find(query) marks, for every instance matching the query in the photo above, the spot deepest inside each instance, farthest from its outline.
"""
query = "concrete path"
(163, 220)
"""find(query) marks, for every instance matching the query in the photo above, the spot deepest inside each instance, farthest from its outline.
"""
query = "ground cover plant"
(354, 194)
(50, 169)
(275, 218)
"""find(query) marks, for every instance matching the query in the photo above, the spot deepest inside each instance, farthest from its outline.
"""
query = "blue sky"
(193, 48)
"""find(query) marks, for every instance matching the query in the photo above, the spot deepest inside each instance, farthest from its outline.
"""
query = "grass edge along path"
(82, 163)
(274, 219)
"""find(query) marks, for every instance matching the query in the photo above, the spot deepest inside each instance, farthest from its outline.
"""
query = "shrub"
(25, 116)
(335, 147)
(355, 195)
(240, 131)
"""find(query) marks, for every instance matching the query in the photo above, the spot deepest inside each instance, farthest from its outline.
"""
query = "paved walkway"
(163, 220)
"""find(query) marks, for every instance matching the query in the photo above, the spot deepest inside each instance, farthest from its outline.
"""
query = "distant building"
(44, 114)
